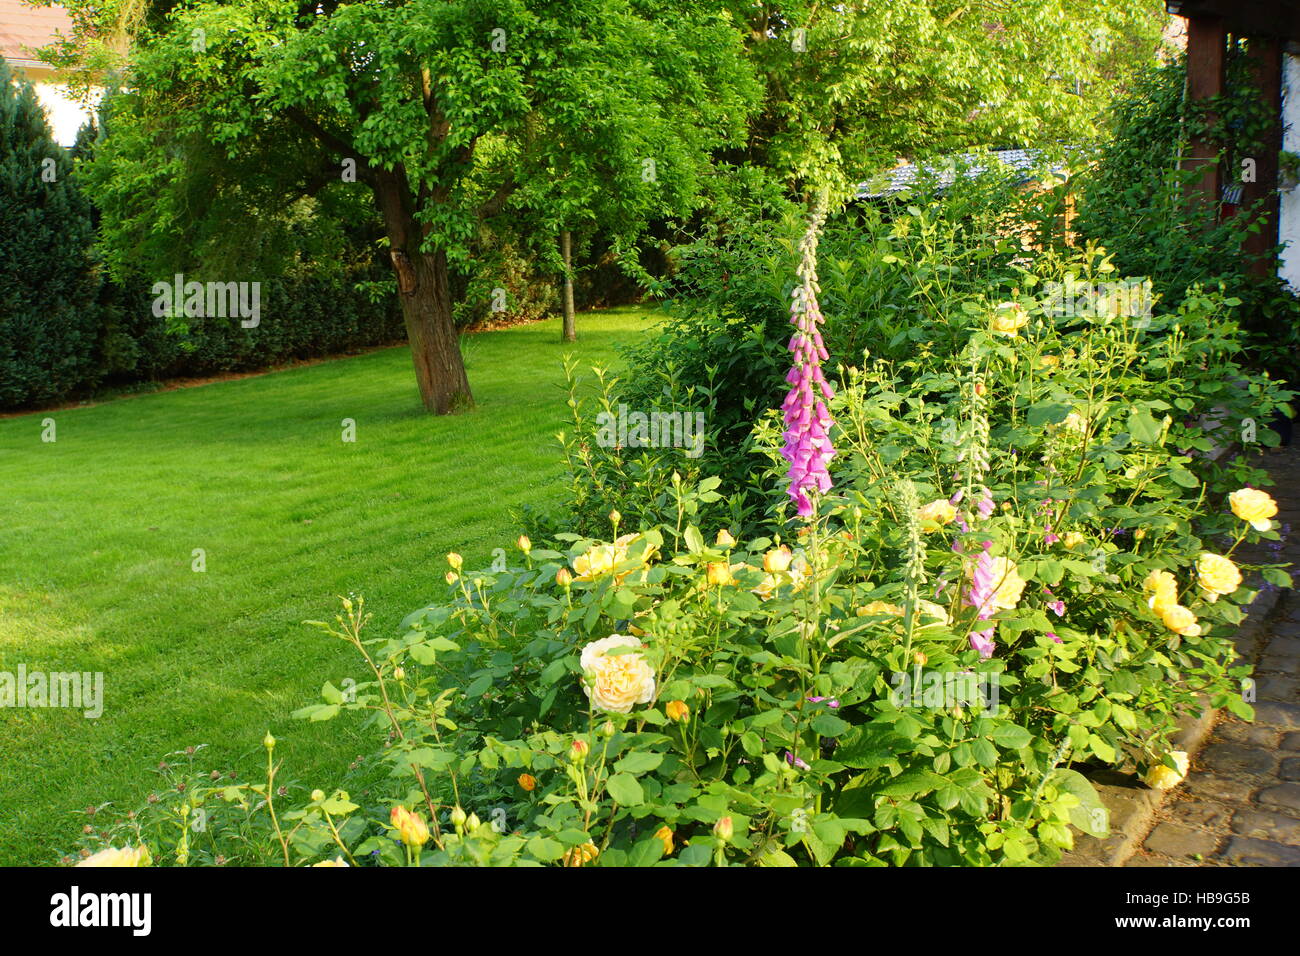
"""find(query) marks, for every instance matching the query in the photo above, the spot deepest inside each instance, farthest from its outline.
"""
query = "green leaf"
(646, 852)
(625, 789)
(639, 762)
(1011, 736)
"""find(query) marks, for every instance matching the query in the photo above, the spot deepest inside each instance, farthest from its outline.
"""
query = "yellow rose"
(581, 855)
(1254, 506)
(719, 573)
(1180, 620)
(616, 682)
(767, 587)
(1160, 777)
(337, 861)
(527, 782)
(597, 562)
(455, 560)
(666, 835)
(1216, 575)
(777, 560)
(1050, 361)
(1163, 590)
(410, 827)
(1008, 319)
(127, 856)
(936, 514)
(1072, 539)
(1010, 585)
(879, 607)
(677, 710)
(935, 612)
(725, 540)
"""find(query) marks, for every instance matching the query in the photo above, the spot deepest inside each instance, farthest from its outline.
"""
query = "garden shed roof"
(904, 176)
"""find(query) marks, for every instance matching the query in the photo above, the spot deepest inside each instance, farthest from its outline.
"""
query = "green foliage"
(1134, 201)
(851, 87)
(895, 279)
(48, 325)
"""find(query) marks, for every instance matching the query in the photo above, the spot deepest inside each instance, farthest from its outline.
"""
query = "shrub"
(48, 323)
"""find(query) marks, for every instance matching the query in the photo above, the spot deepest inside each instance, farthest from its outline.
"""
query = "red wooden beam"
(1206, 49)
(1265, 55)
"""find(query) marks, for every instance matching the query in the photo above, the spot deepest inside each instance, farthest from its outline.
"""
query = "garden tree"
(47, 283)
(853, 86)
(447, 112)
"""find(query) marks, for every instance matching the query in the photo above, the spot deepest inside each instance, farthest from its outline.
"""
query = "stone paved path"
(1240, 804)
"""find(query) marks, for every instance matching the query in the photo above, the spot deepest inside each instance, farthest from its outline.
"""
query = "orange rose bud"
(410, 826)
(578, 751)
(719, 573)
(677, 710)
(563, 578)
(724, 829)
(528, 782)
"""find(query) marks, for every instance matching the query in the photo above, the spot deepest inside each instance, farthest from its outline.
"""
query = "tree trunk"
(570, 333)
(435, 344)
(425, 293)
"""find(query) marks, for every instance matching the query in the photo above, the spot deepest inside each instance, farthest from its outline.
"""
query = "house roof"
(24, 28)
(904, 176)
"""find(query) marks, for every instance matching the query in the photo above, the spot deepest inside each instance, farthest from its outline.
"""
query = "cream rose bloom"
(1009, 318)
(1161, 777)
(616, 682)
(1254, 506)
(1216, 575)
(1010, 585)
(936, 513)
(777, 560)
(127, 856)
(935, 612)
(1180, 620)
(1163, 590)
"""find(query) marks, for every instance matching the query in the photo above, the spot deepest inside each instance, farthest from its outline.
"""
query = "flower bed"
(1012, 563)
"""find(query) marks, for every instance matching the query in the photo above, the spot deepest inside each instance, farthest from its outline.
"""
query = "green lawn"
(98, 529)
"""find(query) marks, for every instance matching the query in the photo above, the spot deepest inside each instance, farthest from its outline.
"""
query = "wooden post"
(1265, 54)
(570, 331)
(1206, 48)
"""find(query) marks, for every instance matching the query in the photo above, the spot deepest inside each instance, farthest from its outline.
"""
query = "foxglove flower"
(807, 445)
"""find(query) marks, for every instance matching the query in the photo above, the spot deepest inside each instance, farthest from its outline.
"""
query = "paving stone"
(1289, 769)
(1175, 840)
(1284, 646)
(1244, 851)
(1214, 787)
(1265, 825)
(1153, 859)
(1278, 688)
(1241, 732)
(1281, 665)
(1200, 813)
(1231, 758)
(1284, 795)
(1286, 716)
(1291, 741)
